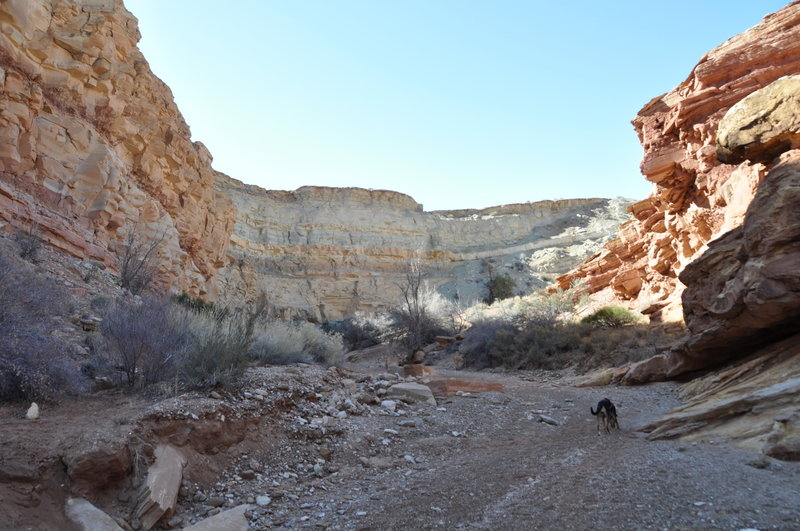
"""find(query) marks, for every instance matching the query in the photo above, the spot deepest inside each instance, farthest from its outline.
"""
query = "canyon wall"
(92, 145)
(697, 197)
(325, 253)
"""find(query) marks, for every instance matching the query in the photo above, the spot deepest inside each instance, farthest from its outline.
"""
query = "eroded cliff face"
(92, 144)
(697, 197)
(325, 253)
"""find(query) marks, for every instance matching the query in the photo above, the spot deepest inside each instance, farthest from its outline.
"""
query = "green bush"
(611, 317)
(500, 287)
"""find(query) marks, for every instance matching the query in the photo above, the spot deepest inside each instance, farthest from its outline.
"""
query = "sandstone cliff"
(697, 197)
(326, 253)
(93, 146)
(742, 298)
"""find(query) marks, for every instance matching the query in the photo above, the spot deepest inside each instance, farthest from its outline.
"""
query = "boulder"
(784, 440)
(159, 494)
(230, 520)
(33, 412)
(88, 517)
(415, 391)
(762, 125)
(744, 291)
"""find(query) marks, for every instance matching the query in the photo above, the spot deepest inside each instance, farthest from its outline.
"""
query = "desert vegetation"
(34, 363)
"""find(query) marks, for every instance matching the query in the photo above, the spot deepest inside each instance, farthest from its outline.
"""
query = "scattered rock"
(263, 500)
(548, 420)
(33, 412)
(376, 462)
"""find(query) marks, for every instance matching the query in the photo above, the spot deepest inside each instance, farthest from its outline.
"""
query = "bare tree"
(137, 260)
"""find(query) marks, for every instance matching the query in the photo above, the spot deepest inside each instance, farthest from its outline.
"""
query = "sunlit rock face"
(696, 196)
(326, 253)
(92, 144)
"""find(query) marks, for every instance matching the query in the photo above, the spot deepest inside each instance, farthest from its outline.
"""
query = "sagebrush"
(34, 363)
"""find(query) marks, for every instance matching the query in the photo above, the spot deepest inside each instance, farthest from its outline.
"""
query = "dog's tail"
(593, 411)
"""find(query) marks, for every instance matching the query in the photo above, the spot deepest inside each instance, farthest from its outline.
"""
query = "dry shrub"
(34, 364)
(362, 330)
(278, 343)
(145, 338)
(219, 345)
(540, 333)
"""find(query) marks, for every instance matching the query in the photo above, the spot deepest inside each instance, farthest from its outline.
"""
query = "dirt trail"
(510, 471)
(481, 462)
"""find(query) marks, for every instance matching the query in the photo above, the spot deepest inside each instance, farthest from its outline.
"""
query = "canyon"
(93, 148)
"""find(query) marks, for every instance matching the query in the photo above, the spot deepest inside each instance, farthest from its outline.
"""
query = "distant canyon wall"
(325, 253)
(697, 197)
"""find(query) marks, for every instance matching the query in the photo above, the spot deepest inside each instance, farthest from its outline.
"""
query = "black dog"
(607, 414)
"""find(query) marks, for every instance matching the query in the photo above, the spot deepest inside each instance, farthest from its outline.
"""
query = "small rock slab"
(230, 520)
(419, 370)
(88, 517)
(452, 386)
(159, 494)
(414, 391)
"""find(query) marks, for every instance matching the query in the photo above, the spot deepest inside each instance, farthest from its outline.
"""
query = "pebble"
(263, 500)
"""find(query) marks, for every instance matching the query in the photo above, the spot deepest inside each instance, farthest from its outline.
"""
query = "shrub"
(362, 330)
(500, 287)
(474, 349)
(611, 317)
(280, 343)
(424, 313)
(145, 338)
(34, 363)
(29, 243)
(137, 261)
(219, 345)
(196, 305)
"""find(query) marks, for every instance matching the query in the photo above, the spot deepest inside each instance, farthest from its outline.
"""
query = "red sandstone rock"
(92, 144)
(696, 197)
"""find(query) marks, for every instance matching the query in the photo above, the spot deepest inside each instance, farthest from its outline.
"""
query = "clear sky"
(458, 103)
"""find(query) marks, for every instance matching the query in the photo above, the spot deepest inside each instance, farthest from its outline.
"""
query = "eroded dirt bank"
(483, 461)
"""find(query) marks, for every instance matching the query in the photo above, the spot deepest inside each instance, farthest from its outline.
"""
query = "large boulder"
(762, 125)
(744, 291)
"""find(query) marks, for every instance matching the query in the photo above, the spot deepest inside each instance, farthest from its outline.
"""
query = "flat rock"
(230, 520)
(88, 517)
(159, 494)
(414, 391)
(419, 370)
(452, 386)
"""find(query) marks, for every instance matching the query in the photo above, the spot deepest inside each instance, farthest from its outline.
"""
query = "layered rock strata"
(742, 296)
(92, 145)
(326, 253)
(697, 197)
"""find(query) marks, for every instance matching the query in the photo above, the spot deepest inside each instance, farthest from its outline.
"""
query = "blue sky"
(458, 103)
